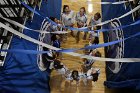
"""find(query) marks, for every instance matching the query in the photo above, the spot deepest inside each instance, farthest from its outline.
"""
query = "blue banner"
(121, 75)
(20, 73)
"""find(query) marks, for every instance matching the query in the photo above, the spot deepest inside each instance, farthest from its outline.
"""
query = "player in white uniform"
(87, 63)
(74, 75)
(68, 17)
(94, 21)
(93, 74)
(81, 19)
(59, 67)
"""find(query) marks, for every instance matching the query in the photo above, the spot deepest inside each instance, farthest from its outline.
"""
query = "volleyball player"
(68, 17)
(81, 19)
(94, 25)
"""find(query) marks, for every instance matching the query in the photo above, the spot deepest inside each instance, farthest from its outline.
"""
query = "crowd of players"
(52, 59)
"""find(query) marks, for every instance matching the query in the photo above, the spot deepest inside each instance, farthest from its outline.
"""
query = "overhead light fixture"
(90, 7)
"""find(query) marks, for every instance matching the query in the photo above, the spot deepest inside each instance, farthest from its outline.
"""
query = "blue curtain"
(20, 73)
(53, 8)
(121, 75)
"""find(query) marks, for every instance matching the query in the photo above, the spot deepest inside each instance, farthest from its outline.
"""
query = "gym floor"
(57, 83)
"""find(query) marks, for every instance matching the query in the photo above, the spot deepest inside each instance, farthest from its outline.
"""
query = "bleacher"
(14, 10)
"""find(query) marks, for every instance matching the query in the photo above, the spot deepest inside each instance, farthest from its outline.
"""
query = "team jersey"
(94, 22)
(92, 71)
(81, 19)
(68, 19)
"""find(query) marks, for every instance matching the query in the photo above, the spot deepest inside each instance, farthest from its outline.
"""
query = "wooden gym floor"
(57, 83)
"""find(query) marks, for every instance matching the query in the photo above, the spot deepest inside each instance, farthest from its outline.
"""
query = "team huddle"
(52, 59)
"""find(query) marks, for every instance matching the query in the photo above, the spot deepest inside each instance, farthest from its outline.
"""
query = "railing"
(13, 9)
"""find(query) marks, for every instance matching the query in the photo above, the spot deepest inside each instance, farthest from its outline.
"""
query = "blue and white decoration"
(121, 75)
(20, 72)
